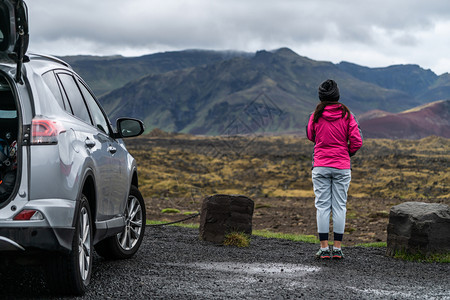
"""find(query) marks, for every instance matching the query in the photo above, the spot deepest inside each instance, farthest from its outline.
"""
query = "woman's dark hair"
(321, 106)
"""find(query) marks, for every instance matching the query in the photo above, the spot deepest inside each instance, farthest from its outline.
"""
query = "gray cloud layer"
(373, 33)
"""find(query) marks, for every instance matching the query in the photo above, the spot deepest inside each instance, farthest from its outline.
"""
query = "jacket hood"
(332, 112)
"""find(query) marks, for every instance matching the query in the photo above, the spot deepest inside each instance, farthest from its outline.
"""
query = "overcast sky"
(369, 33)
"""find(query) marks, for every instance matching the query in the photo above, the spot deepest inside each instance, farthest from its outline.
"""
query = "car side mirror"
(127, 127)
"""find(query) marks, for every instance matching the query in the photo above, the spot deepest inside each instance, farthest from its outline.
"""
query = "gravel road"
(174, 264)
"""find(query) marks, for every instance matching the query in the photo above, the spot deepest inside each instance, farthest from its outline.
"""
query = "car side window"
(52, 83)
(74, 96)
(96, 112)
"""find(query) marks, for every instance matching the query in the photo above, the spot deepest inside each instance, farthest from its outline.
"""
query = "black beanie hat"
(329, 91)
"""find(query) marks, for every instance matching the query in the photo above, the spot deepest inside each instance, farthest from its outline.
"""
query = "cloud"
(373, 32)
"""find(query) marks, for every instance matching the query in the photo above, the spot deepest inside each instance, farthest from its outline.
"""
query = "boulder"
(222, 214)
(418, 227)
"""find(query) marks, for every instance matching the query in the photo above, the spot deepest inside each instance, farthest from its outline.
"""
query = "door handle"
(89, 143)
(112, 149)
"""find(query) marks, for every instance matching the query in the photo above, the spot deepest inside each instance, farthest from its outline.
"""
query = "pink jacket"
(335, 138)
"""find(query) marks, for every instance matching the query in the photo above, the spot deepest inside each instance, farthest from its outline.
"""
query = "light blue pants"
(331, 187)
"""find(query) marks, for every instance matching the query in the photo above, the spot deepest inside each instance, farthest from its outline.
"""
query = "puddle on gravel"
(266, 269)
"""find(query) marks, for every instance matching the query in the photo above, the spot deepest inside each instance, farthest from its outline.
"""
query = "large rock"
(222, 214)
(418, 227)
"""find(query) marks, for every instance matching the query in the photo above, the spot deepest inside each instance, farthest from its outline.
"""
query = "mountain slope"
(423, 121)
(440, 89)
(410, 79)
(267, 92)
(105, 74)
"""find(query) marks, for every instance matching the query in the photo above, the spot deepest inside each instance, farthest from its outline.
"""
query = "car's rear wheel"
(70, 273)
(126, 243)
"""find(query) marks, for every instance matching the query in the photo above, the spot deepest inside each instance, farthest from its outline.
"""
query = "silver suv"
(67, 182)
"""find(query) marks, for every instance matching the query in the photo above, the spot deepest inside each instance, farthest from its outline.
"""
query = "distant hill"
(272, 92)
(108, 73)
(411, 79)
(429, 119)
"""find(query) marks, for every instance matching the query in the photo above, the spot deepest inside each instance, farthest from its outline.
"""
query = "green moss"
(170, 211)
(187, 213)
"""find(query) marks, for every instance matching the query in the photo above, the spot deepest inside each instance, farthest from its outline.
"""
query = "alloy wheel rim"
(84, 244)
(133, 224)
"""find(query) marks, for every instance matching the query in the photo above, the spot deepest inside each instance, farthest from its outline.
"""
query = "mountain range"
(267, 92)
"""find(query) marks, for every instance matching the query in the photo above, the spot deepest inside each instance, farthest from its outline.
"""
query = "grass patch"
(237, 239)
(419, 257)
(351, 215)
(350, 229)
(372, 245)
(287, 236)
(185, 225)
(187, 213)
(153, 222)
(170, 211)
(379, 214)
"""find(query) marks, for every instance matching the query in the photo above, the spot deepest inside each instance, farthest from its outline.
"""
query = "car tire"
(70, 273)
(125, 244)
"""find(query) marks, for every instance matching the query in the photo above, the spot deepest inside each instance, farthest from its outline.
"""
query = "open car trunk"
(13, 46)
(9, 125)
(14, 33)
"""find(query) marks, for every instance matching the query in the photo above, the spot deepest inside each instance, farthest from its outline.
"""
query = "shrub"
(237, 239)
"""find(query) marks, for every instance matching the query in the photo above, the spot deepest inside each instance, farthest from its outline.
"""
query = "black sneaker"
(323, 254)
(337, 254)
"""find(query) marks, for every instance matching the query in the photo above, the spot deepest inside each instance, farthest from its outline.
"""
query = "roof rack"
(49, 57)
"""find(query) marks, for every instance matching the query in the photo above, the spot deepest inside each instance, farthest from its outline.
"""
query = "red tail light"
(28, 214)
(45, 132)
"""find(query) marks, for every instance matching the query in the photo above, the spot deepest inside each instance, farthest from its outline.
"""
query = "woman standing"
(337, 136)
